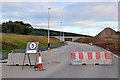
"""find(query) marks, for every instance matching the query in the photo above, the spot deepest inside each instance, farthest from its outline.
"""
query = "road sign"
(32, 47)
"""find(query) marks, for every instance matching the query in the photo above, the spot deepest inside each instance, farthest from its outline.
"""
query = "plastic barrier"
(97, 58)
(40, 65)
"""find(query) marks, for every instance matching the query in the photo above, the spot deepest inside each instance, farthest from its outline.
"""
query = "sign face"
(32, 47)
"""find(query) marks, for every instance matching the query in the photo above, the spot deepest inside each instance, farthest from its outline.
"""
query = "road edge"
(115, 55)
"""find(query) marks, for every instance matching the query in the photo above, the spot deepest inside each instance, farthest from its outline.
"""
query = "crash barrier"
(97, 58)
(3, 56)
(17, 59)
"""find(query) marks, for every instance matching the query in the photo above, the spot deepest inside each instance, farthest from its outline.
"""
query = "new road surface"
(57, 65)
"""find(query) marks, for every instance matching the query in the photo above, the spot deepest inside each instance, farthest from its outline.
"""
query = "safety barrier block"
(97, 58)
(17, 59)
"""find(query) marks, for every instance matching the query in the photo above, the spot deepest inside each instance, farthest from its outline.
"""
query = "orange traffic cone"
(40, 66)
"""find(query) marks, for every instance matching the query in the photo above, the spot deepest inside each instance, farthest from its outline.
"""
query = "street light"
(48, 30)
(63, 36)
(60, 32)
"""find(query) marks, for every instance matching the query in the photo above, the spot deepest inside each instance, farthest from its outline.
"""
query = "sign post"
(32, 47)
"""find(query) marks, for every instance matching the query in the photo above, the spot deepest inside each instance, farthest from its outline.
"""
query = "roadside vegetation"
(17, 41)
(15, 35)
(17, 27)
(111, 44)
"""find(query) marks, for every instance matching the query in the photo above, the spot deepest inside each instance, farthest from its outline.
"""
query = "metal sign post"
(32, 47)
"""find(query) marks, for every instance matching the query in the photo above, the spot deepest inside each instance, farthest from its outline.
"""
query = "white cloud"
(111, 24)
(52, 25)
(59, 12)
(75, 16)
(86, 23)
(104, 11)
(41, 24)
(96, 11)
(16, 14)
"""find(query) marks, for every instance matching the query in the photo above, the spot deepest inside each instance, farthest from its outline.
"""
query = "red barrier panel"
(73, 56)
(90, 55)
(107, 55)
(98, 55)
(81, 55)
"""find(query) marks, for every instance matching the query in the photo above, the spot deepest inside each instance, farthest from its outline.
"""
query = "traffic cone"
(40, 66)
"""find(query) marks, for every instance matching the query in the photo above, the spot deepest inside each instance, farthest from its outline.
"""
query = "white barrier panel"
(98, 57)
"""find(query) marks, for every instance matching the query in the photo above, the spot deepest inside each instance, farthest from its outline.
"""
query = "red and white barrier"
(79, 58)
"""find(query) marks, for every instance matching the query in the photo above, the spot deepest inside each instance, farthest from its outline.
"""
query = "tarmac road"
(57, 65)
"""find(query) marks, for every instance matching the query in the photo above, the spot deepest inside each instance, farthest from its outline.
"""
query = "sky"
(88, 18)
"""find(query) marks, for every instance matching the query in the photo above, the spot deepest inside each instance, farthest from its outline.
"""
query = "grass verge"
(17, 41)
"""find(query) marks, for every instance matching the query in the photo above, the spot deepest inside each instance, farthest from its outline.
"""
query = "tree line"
(18, 27)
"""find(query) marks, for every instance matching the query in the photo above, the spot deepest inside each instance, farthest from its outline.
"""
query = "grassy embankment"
(16, 41)
(111, 44)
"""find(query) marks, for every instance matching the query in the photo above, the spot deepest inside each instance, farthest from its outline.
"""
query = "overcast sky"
(78, 17)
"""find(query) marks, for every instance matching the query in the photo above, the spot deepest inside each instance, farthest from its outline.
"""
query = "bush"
(16, 27)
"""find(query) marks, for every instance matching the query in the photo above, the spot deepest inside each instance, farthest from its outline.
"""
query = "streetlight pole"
(60, 32)
(48, 30)
(63, 37)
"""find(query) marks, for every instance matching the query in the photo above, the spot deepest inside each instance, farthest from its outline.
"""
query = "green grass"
(5, 51)
(16, 41)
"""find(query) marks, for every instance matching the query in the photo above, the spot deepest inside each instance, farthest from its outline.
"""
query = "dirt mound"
(111, 44)
(107, 39)
(107, 33)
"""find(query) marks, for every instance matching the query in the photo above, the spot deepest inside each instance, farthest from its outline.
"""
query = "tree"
(18, 27)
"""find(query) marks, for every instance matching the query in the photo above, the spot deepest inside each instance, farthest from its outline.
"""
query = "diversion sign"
(32, 47)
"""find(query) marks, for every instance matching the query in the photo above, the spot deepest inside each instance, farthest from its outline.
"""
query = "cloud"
(86, 23)
(96, 11)
(52, 25)
(108, 12)
(111, 24)
(59, 13)
(92, 31)
(67, 11)
(41, 24)
(75, 16)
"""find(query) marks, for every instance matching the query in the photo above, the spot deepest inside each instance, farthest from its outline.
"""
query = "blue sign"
(32, 47)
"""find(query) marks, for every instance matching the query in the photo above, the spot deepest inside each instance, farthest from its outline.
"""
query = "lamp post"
(60, 32)
(63, 37)
(48, 30)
